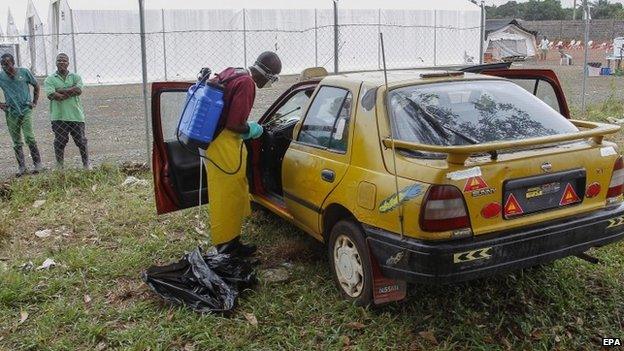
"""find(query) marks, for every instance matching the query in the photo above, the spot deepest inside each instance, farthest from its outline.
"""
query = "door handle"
(328, 175)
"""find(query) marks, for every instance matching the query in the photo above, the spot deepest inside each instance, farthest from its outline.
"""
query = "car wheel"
(350, 263)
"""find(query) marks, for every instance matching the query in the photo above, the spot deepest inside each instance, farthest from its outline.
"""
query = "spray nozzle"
(204, 74)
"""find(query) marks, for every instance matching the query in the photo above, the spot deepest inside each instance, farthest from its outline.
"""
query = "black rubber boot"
(36, 157)
(85, 159)
(236, 248)
(21, 162)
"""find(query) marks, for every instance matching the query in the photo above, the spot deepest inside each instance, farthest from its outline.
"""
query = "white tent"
(33, 51)
(8, 45)
(233, 33)
(506, 38)
(11, 27)
(11, 42)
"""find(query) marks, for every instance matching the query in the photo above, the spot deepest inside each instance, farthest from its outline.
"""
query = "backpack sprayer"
(201, 114)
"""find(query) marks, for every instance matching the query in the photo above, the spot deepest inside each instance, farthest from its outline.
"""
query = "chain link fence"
(603, 69)
(110, 66)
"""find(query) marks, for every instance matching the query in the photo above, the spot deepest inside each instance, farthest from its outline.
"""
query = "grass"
(104, 235)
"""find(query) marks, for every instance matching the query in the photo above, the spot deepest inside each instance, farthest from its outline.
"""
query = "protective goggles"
(266, 73)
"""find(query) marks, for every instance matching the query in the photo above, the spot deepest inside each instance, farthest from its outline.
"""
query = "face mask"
(264, 71)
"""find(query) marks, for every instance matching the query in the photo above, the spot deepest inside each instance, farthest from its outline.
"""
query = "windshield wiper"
(436, 123)
(439, 127)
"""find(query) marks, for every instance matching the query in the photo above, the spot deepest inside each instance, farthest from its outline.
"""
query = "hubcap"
(348, 266)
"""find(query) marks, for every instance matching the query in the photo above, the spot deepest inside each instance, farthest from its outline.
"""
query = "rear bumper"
(452, 261)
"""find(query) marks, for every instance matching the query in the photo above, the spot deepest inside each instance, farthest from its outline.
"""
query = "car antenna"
(387, 101)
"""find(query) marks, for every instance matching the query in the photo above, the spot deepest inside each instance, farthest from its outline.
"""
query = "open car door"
(542, 83)
(176, 170)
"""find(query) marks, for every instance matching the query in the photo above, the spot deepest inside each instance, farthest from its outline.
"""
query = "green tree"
(510, 9)
(537, 10)
(604, 9)
(543, 10)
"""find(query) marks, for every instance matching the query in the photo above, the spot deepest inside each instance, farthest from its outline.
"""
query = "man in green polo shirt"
(63, 88)
(18, 108)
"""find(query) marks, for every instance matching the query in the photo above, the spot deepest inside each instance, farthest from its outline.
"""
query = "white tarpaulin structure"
(33, 50)
(8, 45)
(507, 38)
(103, 44)
(11, 27)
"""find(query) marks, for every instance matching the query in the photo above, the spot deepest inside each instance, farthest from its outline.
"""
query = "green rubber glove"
(255, 131)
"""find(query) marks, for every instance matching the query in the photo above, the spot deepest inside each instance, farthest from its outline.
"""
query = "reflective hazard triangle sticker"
(569, 196)
(475, 183)
(512, 207)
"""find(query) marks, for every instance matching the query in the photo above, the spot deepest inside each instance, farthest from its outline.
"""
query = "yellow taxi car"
(432, 177)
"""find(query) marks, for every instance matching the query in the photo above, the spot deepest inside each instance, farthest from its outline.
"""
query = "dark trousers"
(62, 130)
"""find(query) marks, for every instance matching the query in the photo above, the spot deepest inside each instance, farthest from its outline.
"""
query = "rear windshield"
(470, 112)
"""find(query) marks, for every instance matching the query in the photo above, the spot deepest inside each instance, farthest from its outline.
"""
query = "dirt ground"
(116, 124)
(571, 77)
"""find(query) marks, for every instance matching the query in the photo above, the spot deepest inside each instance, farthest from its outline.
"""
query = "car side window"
(293, 108)
(171, 104)
(326, 124)
(340, 135)
(542, 90)
(546, 93)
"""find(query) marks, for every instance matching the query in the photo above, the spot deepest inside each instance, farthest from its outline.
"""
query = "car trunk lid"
(535, 186)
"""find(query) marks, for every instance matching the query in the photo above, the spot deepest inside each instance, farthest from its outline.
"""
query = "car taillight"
(617, 182)
(444, 209)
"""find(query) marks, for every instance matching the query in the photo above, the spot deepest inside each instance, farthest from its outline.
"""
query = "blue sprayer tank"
(201, 115)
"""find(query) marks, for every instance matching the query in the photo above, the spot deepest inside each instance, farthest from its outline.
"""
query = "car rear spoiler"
(459, 154)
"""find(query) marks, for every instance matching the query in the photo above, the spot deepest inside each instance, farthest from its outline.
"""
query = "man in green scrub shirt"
(63, 88)
(18, 108)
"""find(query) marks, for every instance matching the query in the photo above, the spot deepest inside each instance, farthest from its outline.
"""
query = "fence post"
(164, 43)
(144, 69)
(482, 36)
(244, 38)
(335, 36)
(73, 38)
(45, 55)
(587, 15)
(315, 38)
(435, 38)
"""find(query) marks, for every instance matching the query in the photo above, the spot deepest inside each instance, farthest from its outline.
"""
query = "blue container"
(605, 71)
(201, 116)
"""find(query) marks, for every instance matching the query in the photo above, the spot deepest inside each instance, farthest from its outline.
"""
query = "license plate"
(544, 192)
(543, 189)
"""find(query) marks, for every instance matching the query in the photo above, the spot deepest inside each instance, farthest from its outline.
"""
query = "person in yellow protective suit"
(228, 191)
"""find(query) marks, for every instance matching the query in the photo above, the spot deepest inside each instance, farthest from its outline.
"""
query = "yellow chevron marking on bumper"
(615, 222)
(468, 256)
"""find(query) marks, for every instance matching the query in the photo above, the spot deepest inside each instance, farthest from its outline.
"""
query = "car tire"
(350, 262)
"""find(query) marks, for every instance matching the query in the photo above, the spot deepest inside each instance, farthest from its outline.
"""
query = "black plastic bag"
(205, 283)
